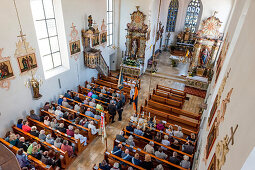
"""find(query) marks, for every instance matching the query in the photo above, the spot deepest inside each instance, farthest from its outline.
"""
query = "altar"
(131, 71)
(197, 82)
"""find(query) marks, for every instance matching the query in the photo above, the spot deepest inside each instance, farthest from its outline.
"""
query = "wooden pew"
(143, 153)
(74, 112)
(84, 131)
(171, 110)
(65, 162)
(168, 95)
(142, 139)
(107, 115)
(165, 101)
(41, 126)
(171, 90)
(112, 159)
(37, 163)
(190, 126)
(129, 78)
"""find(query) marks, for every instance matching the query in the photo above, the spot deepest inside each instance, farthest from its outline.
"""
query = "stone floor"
(95, 151)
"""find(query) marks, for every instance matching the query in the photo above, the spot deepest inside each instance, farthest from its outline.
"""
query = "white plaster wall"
(17, 101)
(240, 109)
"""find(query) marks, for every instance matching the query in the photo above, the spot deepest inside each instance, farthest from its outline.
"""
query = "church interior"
(127, 84)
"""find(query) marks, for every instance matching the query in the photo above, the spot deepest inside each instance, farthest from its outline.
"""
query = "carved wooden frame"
(213, 132)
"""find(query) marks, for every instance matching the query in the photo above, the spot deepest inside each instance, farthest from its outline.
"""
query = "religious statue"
(204, 57)
(35, 85)
(90, 22)
(134, 49)
(221, 152)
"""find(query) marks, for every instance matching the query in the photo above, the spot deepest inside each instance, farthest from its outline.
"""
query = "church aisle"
(94, 153)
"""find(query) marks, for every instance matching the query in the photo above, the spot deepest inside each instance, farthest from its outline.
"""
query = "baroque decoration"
(34, 84)
(103, 34)
(206, 48)
(74, 43)
(6, 71)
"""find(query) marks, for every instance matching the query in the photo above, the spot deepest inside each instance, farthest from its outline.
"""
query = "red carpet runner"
(195, 92)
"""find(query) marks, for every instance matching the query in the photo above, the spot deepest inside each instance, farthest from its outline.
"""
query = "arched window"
(193, 14)
(172, 15)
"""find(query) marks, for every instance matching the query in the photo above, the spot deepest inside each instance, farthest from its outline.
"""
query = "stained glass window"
(193, 13)
(172, 15)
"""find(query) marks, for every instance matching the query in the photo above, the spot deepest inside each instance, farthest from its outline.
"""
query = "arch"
(172, 15)
(193, 15)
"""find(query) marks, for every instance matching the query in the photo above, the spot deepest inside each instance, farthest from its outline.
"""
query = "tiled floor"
(95, 151)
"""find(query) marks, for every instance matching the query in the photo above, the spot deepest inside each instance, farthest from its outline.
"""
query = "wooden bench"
(171, 90)
(168, 95)
(165, 101)
(171, 110)
(84, 131)
(142, 154)
(190, 126)
(138, 81)
(37, 163)
(65, 162)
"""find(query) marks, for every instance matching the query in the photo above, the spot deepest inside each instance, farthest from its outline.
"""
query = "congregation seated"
(130, 141)
(60, 99)
(58, 143)
(134, 118)
(13, 139)
(50, 139)
(147, 133)
(120, 137)
(54, 123)
(42, 135)
(130, 127)
(51, 109)
(22, 159)
(46, 120)
(26, 126)
(115, 166)
(86, 101)
(159, 167)
(80, 137)
(175, 145)
(93, 128)
(61, 128)
(22, 144)
(34, 116)
(178, 133)
(104, 165)
(117, 150)
(59, 113)
(138, 131)
(49, 158)
(92, 103)
(103, 90)
(67, 148)
(170, 130)
(125, 155)
(149, 148)
(166, 142)
(66, 104)
(70, 131)
(76, 98)
(89, 113)
(84, 122)
(160, 126)
(151, 123)
(160, 154)
(185, 163)
(191, 138)
(90, 93)
(175, 160)
(99, 107)
(147, 163)
(158, 137)
(68, 94)
(135, 160)
(77, 107)
(46, 106)
(34, 149)
(188, 148)
(34, 131)
(94, 95)
(19, 123)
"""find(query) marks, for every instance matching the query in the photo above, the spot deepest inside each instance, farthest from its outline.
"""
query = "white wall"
(17, 101)
(240, 59)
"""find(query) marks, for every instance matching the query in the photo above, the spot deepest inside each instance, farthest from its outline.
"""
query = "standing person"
(112, 110)
(132, 93)
(135, 99)
(119, 108)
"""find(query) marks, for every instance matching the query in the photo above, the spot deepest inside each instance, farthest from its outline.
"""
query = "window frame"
(109, 36)
(186, 24)
(170, 27)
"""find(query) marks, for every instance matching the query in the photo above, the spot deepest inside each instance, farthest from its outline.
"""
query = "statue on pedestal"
(134, 49)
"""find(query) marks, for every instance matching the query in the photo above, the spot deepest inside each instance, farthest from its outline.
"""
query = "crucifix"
(73, 26)
(231, 139)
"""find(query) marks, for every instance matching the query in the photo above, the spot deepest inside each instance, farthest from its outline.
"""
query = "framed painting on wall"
(103, 37)
(6, 70)
(75, 47)
(27, 62)
(212, 165)
(211, 139)
(213, 111)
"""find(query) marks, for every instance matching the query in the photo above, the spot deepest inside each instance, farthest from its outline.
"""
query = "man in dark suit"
(188, 148)
(117, 150)
(120, 137)
(112, 110)
(173, 159)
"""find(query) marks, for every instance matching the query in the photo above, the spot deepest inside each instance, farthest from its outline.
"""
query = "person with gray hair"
(57, 143)
(178, 133)
(70, 131)
(50, 139)
(159, 167)
(115, 166)
(59, 113)
(120, 137)
(185, 163)
(93, 128)
(160, 154)
(66, 104)
(130, 141)
(149, 148)
(42, 135)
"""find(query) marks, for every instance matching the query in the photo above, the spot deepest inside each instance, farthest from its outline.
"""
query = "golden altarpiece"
(135, 44)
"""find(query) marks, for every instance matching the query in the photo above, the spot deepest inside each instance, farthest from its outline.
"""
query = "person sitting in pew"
(126, 156)
(42, 135)
(77, 107)
(70, 117)
(89, 113)
(117, 150)
(138, 131)
(50, 139)
(84, 122)
(90, 93)
(54, 123)
(178, 133)
(188, 148)
(26, 126)
(86, 101)
(22, 144)
(185, 163)
(174, 159)
(33, 146)
(134, 118)
(108, 92)
(94, 95)
(130, 127)
(159, 167)
(50, 160)
(114, 94)
(191, 138)
(98, 89)
(80, 137)
(130, 141)
(120, 137)
(46, 120)
(46, 106)
(160, 154)
(22, 159)
(59, 113)
(160, 126)
(70, 131)
(66, 104)
(19, 123)
(151, 123)
(147, 163)
(61, 128)
(92, 103)
(158, 137)
(76, 98)
(34, 116)
(103, 90)
(147, 133)
(149, 148)
(51, 109)
(93, 128)
(68, 94)
(116, 166)
(7, 136)
(89, 86)
(67, 148)
(166, 142)
(34, 131)
(104, 165)
(60, 99)
(101, 97)
(77, 120)
(170, 130)
(175, 145)
(13, 139)
(58, 143)
(99, 107)
(135, 160)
